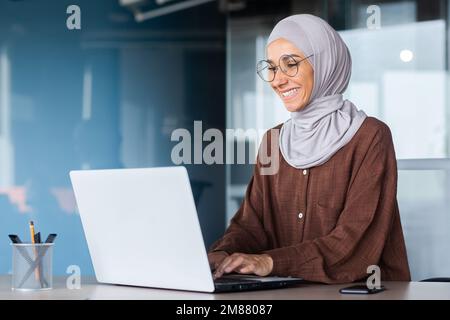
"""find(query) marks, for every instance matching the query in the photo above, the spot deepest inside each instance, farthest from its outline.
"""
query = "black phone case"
(360, 290)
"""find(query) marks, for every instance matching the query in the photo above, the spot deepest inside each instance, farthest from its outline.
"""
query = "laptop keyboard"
(231, 280)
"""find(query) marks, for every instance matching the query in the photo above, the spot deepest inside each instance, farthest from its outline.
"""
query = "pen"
(37, 238)
(14, 238)
(51, 237)
(32, 233)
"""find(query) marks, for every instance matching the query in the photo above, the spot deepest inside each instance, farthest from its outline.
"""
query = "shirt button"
(300, 215)
(305, 172)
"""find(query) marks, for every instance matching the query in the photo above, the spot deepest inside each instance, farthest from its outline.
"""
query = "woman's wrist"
(269, 262)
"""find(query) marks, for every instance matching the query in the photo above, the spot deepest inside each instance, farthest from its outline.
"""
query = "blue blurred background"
(106, 96)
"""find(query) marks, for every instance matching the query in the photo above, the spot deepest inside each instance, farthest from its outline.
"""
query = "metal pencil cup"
(32, 266)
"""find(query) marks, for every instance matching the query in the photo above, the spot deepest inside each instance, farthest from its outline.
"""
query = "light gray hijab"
(327, 123)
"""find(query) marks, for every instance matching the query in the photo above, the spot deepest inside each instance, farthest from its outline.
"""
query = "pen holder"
(32, 266)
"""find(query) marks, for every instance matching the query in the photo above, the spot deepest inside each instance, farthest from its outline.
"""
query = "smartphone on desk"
(361, 289)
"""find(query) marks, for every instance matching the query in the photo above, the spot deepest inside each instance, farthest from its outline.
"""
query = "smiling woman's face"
(295, 91)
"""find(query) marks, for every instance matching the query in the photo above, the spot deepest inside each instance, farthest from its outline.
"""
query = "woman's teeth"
(289, 93)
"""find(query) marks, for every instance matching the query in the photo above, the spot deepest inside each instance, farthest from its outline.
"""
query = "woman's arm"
(363, 227)
(246, 233)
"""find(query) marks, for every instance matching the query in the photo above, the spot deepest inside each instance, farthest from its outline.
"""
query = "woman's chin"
(294, 107)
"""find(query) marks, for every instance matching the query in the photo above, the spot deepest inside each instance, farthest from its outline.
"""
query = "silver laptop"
(142, 229)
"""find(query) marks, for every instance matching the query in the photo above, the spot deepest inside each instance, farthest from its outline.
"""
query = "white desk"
(92, 290)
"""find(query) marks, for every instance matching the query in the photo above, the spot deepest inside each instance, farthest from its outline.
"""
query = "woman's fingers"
(220, 269)
(229, 264)
(245, 263)
(236, 262)
(216, 258)
(249, 268)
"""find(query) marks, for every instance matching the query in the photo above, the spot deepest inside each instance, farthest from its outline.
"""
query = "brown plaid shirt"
(330, 222)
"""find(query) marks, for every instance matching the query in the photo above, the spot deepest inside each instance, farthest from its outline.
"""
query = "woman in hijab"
(330, 211)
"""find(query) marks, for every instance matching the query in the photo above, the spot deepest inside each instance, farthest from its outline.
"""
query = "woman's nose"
(280, 79)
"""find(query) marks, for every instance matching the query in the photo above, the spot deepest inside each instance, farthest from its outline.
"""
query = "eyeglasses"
(287, 63)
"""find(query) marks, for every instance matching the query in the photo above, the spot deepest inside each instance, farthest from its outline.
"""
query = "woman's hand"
(216, 258)
(259, 264)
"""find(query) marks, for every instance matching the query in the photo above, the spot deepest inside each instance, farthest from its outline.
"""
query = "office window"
(399, 76)
(425, 207)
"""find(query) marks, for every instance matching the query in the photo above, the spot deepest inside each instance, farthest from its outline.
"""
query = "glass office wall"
(106, 96)
(399, 75)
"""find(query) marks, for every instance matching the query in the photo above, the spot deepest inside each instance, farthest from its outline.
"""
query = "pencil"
(32, 233)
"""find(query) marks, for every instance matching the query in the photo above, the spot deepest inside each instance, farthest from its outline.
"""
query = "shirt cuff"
(221, 246)
(281, 261)
(289, 261)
